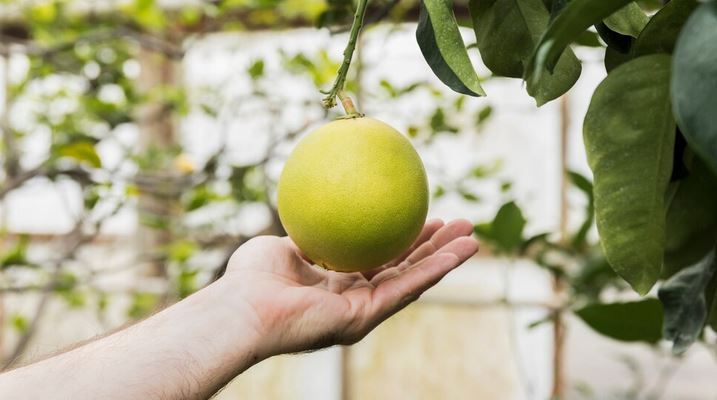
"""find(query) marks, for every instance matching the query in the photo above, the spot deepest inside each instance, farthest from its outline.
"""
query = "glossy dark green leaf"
(629, 20)
(556, 6)
(694, 91)
(506, 230)
(660, 34)
(614, 58)
(618, 47)
(684, 304)
(629, 136)
(443, 48)
(588, 39)
(691, 224)
(616, 41)
(629, 322)
(575, 18)
(507, 32)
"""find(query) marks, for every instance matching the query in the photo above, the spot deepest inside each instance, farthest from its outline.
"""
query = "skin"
(271, 301)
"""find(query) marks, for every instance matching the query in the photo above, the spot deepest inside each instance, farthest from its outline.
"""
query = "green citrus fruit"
(353, 195)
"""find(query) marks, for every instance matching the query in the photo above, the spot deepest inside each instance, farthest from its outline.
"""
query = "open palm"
(302, 306)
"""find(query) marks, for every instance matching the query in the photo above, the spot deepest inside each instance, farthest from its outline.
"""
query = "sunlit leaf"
(16, 255)
(443, 48)
(629, 136)
(629, 20)
(82, 151)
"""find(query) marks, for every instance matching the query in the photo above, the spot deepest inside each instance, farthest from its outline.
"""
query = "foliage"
(653, 220)
(630, 321)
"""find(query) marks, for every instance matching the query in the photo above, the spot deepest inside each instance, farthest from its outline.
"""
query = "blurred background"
(141, 144)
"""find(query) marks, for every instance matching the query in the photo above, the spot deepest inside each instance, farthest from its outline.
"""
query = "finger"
(426, 233)
(451, 231)
(394, 294)
(446, 234)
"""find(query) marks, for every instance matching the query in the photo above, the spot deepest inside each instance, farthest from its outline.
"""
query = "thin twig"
(330, 99)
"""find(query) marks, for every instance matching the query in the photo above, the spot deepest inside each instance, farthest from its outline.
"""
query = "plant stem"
(348, 104)
(330, 99)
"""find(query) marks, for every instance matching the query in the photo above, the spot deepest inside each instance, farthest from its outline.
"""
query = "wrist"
(238, 319)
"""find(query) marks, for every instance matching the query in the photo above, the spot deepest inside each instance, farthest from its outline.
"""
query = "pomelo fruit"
(353, 194)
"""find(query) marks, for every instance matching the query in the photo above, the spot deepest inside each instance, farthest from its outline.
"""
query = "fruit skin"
(353, 195)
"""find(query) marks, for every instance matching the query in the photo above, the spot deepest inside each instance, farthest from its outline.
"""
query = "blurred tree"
(80, 75)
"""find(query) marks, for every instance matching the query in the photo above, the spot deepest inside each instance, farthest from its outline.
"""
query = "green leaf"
(181, 250)
(691, 223)
(588, 39)
(506, 230)
(74, 298)
(468, 196)
(694, 93)
(629, 20)
(594, 276)
(618, 42)
(148, 14)
(507, 32)
(256, 69)
(660, 34)
(483, 114)
(629, 136)
(614, 58)
(586, 187)
(17, 255)
(443, 48)
(637, 321)
(83, 151)
(142, 305)
(711, 300)
(684, 304)
(19, 323)
(575, 18)
(187, 282)
(618, 46)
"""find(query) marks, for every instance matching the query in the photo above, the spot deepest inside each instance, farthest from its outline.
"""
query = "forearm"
(188, 351)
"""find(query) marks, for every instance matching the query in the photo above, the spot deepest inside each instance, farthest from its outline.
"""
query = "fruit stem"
(349, 107)
(330, 99)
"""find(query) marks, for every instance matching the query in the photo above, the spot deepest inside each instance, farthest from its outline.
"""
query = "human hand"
(297, 306)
